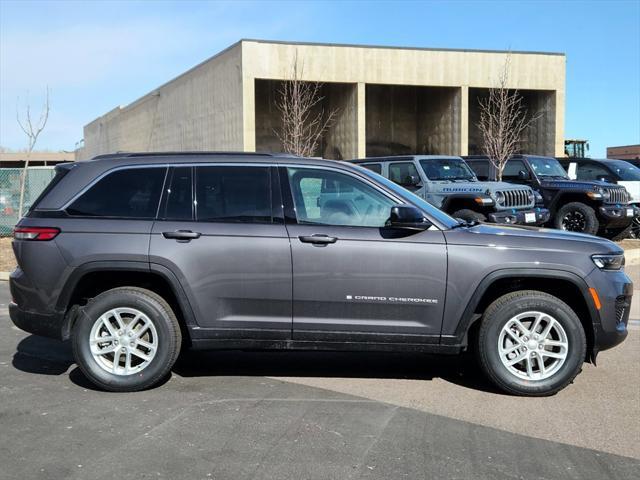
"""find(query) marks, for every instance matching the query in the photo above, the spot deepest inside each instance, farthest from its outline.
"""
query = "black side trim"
(470, 316)
(91, 267)
(224, 344)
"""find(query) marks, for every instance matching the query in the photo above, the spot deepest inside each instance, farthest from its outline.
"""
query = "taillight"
(35, 233)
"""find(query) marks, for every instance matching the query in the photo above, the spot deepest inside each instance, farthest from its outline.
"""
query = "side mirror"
(522, 175)
(407, 217)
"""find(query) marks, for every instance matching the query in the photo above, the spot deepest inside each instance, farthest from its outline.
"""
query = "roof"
(393, 47)
(399, 158)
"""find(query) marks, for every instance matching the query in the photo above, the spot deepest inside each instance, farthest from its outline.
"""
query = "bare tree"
(32, 131)
(503, 119)
(303, 118)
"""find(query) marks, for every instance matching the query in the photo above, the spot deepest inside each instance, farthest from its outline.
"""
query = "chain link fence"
(37, 179)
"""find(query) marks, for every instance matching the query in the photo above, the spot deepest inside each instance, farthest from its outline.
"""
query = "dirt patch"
(631, 250)
(7, 260)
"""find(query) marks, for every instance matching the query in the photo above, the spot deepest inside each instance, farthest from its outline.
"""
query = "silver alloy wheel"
(533, 345)
(123, 341)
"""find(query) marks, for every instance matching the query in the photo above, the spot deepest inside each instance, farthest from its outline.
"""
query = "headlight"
(499, 197)
(530, 196)
(538, 197)
(606, 194)
(599, 193)
(614, 261)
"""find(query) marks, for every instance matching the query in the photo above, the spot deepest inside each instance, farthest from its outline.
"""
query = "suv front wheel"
(577, 217)
(531, 343)
(126, 339)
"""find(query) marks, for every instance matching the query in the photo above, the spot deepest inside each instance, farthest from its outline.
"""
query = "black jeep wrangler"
(579, 206)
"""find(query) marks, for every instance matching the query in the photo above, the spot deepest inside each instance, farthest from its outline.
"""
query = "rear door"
(222, 233)
(354, 279)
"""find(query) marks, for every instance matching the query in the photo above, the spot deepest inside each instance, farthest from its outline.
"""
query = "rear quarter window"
(126, 193)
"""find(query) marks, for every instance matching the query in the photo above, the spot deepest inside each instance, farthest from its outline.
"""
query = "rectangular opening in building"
(338, 142)
(538, 139)
(412, 119)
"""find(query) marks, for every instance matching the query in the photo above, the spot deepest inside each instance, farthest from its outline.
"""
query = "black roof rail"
(193, 153)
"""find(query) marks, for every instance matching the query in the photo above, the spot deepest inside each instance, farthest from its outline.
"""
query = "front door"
(221, 233)
(354, 279)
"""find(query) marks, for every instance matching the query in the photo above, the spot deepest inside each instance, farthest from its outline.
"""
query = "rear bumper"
(535, 216)
(617, 215)
(52, 326)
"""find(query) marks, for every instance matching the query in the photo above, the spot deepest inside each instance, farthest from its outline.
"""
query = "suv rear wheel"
(126, 339)
(531, 343)
(577, 217)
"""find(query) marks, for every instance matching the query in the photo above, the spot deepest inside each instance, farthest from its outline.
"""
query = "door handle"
(182, 235)
(317, 239)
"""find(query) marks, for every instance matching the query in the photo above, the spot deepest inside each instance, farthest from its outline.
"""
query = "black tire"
(577, 217)
(157, 310)
(502, 311)
(469, 215)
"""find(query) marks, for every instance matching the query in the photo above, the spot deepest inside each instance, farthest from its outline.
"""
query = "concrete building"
(626, 152)
(388, 101)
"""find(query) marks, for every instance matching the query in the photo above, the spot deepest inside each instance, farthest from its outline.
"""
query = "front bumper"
(534, 216)
(618, 215)
(615, 291)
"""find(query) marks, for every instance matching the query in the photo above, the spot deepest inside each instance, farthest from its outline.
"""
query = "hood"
(502, 186)
(524, 236)
(460, 187)
(577, 184)
(633, 187)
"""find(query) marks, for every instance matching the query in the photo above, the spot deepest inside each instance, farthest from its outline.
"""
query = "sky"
(94, 56)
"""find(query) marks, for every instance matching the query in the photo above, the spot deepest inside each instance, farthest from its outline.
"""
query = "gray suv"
(451, 185)
(135, 256)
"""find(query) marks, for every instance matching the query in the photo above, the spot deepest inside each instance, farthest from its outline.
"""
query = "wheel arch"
(565, 285)
(92, 278)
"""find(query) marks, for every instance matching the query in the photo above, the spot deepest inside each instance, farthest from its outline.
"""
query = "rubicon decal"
(375, 299)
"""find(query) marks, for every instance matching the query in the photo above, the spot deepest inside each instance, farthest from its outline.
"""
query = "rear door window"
(126, 193)
(178, 195)
(239, 194)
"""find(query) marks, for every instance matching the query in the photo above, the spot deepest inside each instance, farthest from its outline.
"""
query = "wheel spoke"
(119, 320)
(547, 329)
(105, 350)
(514, 336)
(107, 323)
(547, 353)
(127, 362)
(541, 366)
(518, 359)
(116, 360)
(536, 322)
(138, 333)
(555, 343)
(528, 361)
(141, 355)
(98, 340)
(145, 344)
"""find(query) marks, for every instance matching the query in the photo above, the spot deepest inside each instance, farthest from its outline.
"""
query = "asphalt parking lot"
(311, 415)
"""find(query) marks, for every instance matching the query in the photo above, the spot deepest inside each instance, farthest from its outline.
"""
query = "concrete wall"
(364, 66)
(219, 105)
(199, 110)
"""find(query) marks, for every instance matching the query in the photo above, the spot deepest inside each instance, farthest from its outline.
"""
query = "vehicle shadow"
(460, 370)
(43, 356)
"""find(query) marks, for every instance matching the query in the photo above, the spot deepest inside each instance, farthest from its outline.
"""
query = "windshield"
(447, 169)
(410, 197)
(547, 167)
(625, 170)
